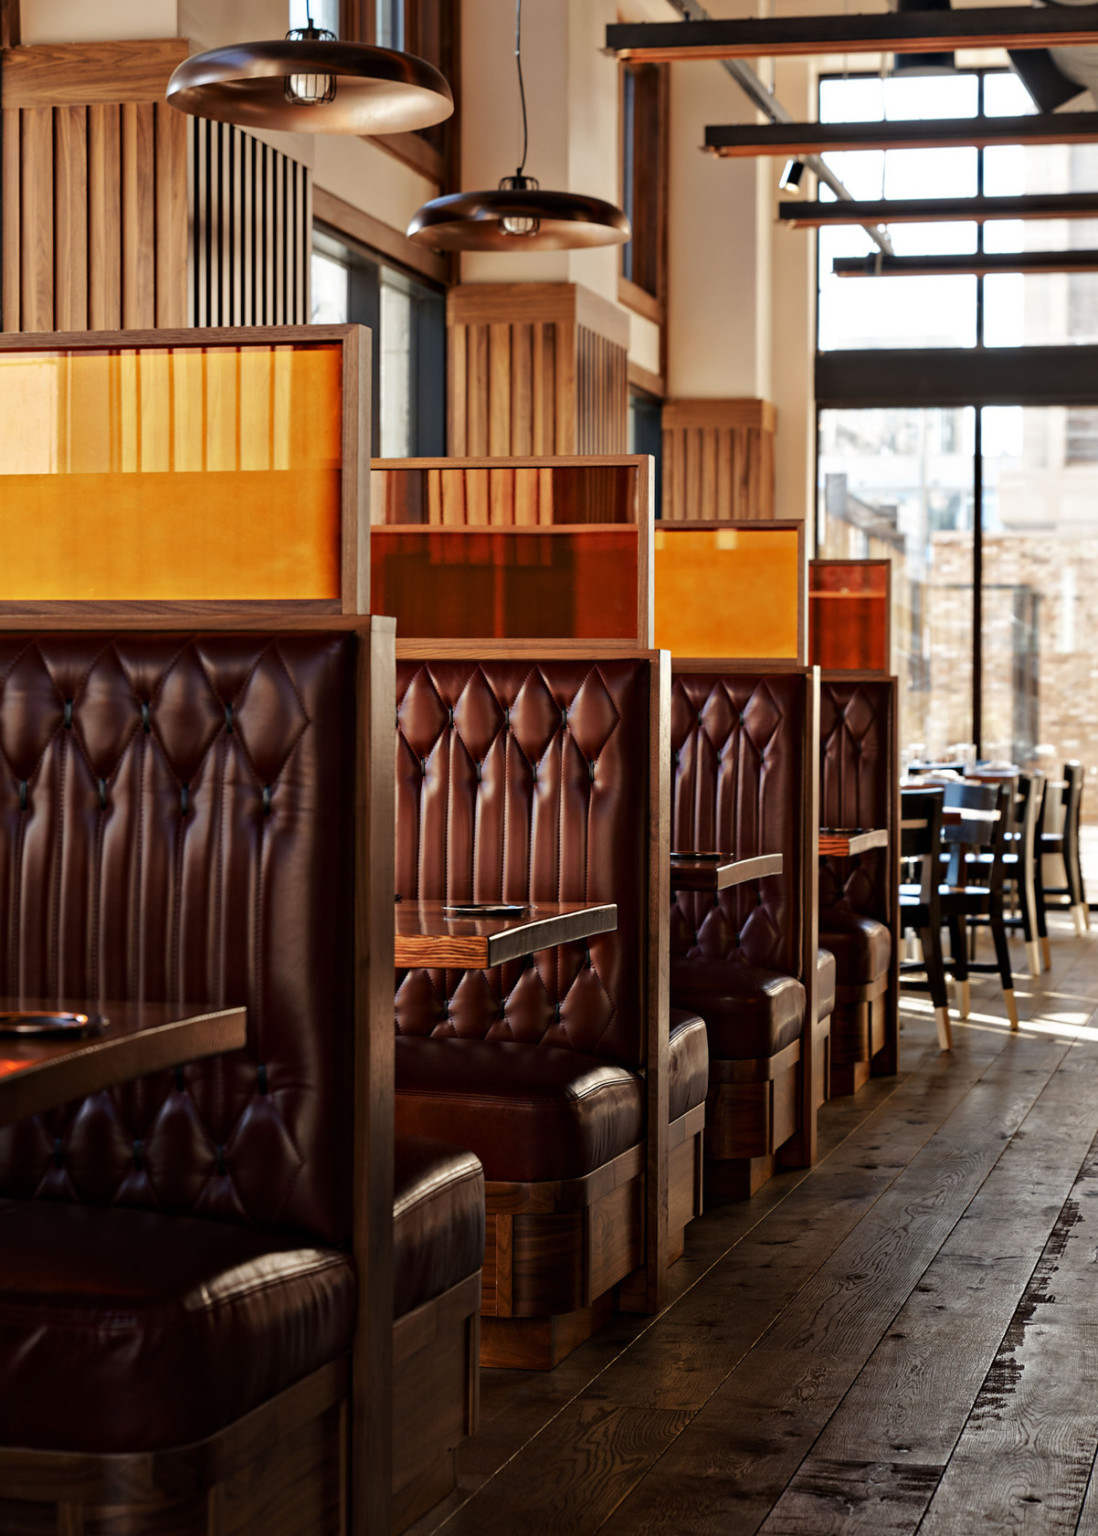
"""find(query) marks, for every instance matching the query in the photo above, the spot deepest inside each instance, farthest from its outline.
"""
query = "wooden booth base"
(436, 1402)
(558, 1255)
(280, 1471)
(859, 1031)
(751, 1111)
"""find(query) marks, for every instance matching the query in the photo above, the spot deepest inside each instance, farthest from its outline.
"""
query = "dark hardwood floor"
(903, 1339)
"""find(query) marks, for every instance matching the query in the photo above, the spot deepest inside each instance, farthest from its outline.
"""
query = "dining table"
(56, 1050)
(704, 870)
(479, 935)
(848, 842)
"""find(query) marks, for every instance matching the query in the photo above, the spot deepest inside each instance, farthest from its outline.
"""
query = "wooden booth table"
(848, 842)
(124, 1041)
(440, 934)
(692, 871)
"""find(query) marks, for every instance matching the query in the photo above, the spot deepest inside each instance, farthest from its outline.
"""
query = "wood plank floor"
(903, 1339)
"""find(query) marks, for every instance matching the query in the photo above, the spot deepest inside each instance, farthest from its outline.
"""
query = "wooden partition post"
(536, 368)
(718, 460)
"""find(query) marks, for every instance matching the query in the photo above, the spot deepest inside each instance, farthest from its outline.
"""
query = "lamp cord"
(522, 87)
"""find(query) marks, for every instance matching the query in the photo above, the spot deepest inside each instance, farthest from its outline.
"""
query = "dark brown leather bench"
(526, 780)
(859, 778)
(182, 1278)
(747, 959)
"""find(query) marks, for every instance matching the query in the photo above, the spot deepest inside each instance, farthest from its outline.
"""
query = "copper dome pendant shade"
(518, 215)
(309, 82)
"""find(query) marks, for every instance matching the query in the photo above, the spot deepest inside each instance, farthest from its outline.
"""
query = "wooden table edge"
(482, 951)
(98, 1063)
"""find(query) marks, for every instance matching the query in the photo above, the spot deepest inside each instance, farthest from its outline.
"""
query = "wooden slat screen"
(94, 199)
(535, 369)
(718, 460)
(251, 230)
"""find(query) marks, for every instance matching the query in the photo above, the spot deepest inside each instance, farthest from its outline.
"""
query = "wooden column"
(94, 199)
(718, 460)
(536, 369)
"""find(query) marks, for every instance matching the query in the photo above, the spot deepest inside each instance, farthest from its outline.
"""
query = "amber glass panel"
(503, 496)
(538, 583)
(728, 592)
(848, 604)
(180, 473)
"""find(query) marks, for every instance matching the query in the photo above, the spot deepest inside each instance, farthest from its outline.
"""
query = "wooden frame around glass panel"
(850, 616)
(163, 447)
(539, 512)
(732, 590)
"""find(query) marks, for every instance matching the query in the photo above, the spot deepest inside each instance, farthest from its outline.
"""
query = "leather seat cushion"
(688, 1063)
(825, 983)
(862, 946)
(125, 1330)
(438, 1220)
(529, 1112)
(749, 1012)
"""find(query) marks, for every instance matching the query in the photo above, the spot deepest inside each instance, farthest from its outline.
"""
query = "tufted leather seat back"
(173, 827)
(738, 748)
(522, 781)
(856, 790)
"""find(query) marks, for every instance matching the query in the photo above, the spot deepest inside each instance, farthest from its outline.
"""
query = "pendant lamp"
(310, 82)
(518, 214)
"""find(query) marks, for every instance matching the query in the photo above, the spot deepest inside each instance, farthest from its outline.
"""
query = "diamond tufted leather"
(856, 791)
(736, 787)
(171, 829)
(523, 782)
(750, 1013)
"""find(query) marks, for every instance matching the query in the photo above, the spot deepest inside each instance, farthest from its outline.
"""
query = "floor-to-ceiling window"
(408, 321)
(958, 434)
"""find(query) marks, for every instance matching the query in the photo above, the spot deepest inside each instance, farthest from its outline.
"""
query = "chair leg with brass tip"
(1011, 1008)
(1046, 952)
(945, 1034)
(1033, 958)
(966, 999)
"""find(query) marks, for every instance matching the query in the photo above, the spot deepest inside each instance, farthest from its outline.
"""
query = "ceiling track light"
(310, 82)
(518, 214)
(791, 178)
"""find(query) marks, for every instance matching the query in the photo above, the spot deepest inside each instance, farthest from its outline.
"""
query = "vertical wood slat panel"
(171, 217)
(718, 460)
(37, 219)
(70, 200)
(104, 217)
(138, 138)
(11, 211)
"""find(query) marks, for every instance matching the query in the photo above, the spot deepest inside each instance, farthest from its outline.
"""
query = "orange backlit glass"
(503, 495)
(176, 473)
(848, 603)
(728, 592)
(536, 583)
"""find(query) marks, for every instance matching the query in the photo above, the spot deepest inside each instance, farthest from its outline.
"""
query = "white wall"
(81, 21)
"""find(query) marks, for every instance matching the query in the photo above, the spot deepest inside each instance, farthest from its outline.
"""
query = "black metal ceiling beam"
(937, 210)
(957, 376)
(978, 264)
(735, 140)
(883, 32)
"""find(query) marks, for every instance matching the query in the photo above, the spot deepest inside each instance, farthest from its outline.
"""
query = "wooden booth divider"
(193, 472)
(850, 615)
(515, 549)
(182, 616)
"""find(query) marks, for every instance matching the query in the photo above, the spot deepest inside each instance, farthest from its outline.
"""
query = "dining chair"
(975, 820)
(920, 899)
(1059, 846)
